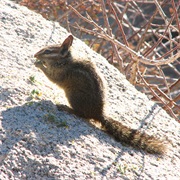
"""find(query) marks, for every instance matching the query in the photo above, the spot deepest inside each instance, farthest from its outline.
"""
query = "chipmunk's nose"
(35, 55)
(38, 54)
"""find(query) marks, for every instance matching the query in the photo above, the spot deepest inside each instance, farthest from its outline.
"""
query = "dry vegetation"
(141, 39)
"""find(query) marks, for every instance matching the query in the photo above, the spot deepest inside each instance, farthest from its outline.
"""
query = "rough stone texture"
(33, 147)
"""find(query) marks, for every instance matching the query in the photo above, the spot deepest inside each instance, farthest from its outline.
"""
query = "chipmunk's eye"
(47, 51)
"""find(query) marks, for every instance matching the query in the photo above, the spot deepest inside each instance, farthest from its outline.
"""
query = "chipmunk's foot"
(65, 108)
(38, 64)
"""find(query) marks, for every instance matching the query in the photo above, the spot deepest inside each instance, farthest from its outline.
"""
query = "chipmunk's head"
(54, 53)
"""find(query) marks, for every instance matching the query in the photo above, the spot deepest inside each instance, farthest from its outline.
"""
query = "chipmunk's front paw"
(38, 64)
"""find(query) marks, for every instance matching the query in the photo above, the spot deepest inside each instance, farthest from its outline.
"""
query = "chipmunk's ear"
(66, 45)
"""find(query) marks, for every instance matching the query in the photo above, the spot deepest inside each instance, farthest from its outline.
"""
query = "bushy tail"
(133, 137)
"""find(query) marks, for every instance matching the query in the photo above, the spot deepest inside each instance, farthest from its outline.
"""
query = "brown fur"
(85, 92)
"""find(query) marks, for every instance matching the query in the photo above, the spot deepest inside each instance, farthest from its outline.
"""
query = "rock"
(33, 147)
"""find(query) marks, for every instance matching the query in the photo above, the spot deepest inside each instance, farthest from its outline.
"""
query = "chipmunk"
(85, 92)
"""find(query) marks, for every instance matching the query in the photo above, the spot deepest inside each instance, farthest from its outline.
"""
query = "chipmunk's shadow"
(37, 117)
(33, 120)
(42, 129)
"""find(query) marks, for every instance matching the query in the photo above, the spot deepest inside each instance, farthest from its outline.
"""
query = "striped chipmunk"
(84, 90)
